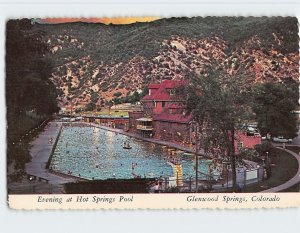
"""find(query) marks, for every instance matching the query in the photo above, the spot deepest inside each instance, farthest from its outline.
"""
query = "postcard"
(153, 113)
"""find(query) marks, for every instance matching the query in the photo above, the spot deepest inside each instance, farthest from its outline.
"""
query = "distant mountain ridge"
(95, 63)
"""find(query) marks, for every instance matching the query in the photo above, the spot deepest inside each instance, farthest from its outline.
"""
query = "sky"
(105, 20)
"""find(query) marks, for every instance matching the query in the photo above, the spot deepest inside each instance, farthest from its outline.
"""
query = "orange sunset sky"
(105, 20)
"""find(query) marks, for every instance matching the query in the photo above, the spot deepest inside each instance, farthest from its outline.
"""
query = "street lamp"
(226, 163)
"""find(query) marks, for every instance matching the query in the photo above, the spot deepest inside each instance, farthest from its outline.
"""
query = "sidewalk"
(41, 152)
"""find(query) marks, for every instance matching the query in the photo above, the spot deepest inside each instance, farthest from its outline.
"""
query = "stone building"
(164, 116)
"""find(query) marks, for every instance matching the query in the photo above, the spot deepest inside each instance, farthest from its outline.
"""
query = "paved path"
(40, 153)
(291, 182)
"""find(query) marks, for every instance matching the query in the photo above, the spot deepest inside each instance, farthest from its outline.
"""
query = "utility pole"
(71, 111)
(233, 159)
(196, 170)
(196, 154)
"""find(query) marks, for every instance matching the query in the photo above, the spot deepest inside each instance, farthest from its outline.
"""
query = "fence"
(34, 188)
(245, 177)
(176, 184)
(182, 185)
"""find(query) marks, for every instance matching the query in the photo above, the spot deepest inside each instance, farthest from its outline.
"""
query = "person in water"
(126, 144)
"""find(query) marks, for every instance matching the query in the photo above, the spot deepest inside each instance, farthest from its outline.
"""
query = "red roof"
(176, 106)
(154, 86)
(180, 118)
(162, 93)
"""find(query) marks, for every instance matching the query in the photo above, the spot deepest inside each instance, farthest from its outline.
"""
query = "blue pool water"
(94, 153)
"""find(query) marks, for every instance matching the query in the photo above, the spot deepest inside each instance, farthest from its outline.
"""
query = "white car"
(282, 139)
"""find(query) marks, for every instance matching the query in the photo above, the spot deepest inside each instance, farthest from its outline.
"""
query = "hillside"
(96, 63)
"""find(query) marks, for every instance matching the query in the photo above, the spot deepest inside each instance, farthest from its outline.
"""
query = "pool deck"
(40, 153)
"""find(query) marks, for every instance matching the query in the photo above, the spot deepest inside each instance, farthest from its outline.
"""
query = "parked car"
(282, 139)
(266, 137)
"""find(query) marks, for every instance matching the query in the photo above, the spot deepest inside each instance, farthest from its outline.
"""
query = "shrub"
(264, 147)
(118, 94)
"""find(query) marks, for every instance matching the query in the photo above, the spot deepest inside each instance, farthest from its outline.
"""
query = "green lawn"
(285, 167)
(295, 149)
(107, 113)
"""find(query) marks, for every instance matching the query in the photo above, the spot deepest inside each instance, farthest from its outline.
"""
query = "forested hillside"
(96, 63)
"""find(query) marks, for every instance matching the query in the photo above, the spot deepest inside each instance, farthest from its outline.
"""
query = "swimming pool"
(94, 153)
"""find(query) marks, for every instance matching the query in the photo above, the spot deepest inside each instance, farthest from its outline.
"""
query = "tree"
(273, 106)
(117, 94)
(94, 96)
(144, 92)
(28, 87)
(90, 106)
(219, 106)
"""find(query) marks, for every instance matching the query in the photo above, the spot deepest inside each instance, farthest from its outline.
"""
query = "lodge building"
(164, 117)
(164, 114)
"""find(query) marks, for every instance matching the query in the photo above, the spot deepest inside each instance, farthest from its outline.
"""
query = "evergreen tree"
(273, 106)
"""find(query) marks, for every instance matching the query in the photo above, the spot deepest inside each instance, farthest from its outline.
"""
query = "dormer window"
(171, 92)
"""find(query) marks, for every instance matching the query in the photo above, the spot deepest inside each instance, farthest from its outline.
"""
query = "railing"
(143, 127)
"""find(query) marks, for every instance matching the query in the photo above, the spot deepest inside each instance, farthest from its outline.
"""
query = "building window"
(240, 145)
(163, 104)
(172, 92)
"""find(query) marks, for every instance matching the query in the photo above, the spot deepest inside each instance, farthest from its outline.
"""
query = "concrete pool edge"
(151, 140)
(53, 147)
(40, 153)
(58, 173)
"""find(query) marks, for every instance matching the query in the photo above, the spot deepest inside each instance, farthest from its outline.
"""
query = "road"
(296, 140)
